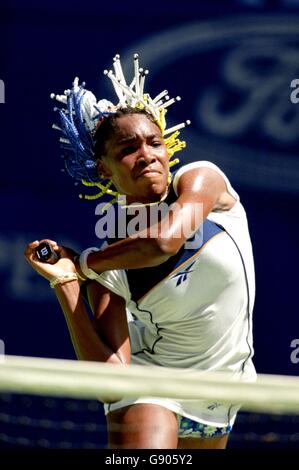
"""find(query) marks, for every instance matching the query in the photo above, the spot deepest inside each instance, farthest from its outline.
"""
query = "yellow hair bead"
(110, 203)
(105, 190)
(171, 138)
(174, 162)
(91, 197)
(161, 120)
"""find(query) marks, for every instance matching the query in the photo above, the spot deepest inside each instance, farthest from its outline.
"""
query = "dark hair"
(108, 127)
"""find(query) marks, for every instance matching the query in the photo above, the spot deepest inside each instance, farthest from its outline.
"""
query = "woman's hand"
(64, 265)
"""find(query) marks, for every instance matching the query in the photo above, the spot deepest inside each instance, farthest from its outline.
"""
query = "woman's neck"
(133, 201)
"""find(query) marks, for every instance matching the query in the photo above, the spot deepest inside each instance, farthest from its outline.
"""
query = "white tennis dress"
(195, 310)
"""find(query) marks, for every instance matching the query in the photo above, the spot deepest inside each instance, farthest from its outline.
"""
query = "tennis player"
(164, 295)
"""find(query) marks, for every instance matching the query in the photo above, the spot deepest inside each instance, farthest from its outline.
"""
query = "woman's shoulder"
(192, 166)
(204, 164)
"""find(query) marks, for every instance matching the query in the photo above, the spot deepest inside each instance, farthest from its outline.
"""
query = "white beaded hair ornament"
(83, 114)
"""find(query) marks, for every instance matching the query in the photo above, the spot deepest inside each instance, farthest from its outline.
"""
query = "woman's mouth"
(149, 172)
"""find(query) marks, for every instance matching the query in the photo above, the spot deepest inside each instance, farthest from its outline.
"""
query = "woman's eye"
(156, 144)
(128, 150)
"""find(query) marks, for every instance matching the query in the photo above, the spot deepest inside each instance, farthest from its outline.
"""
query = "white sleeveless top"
(200, 314)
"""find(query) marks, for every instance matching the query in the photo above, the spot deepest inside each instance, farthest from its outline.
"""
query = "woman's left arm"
(200, 191)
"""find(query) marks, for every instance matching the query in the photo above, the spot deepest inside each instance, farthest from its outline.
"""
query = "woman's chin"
(154, 191)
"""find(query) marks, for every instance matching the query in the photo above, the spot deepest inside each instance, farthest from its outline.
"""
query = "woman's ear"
(103, 170)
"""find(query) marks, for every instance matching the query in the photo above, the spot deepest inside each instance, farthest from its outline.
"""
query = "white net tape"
(87, 380)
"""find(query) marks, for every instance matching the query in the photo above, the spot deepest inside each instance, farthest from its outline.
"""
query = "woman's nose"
(145, 155)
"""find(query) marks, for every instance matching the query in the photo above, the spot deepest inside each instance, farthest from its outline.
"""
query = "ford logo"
(234, 76)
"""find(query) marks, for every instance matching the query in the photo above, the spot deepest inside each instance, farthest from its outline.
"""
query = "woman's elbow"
(168, 247)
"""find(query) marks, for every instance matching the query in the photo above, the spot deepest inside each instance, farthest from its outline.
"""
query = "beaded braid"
(82, 118)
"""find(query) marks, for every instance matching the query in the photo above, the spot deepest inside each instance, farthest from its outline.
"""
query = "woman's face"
(136, 159)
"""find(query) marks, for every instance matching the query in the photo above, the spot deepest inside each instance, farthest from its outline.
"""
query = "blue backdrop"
(231, 61)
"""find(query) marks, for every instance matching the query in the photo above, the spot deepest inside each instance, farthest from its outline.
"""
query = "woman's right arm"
(105, 339)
